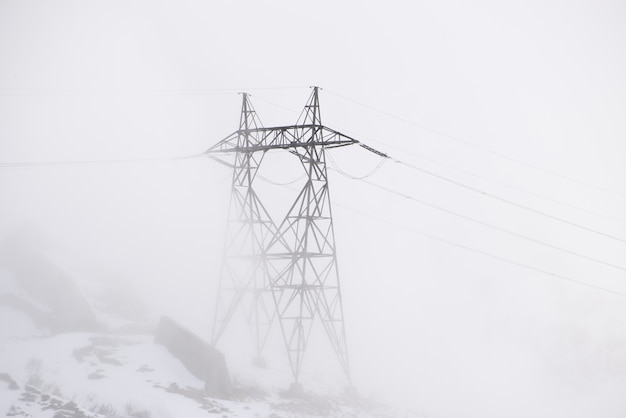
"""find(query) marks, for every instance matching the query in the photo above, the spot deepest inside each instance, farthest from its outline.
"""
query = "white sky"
(451, 332)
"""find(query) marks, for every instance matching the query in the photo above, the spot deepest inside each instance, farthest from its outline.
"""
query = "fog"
(519, 100)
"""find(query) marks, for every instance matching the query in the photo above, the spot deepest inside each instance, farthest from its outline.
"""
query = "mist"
(445, 317)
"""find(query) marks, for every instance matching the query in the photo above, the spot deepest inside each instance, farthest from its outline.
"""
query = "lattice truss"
(286, 271)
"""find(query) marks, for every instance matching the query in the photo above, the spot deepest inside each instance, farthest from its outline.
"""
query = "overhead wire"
(472, 145)
(494, 227)
(512, 203)
(474, 175)
(491, 255)
(92, 162)
(17, 91)
(499, 183)
(369, 174)
(122, 92)
(449, 242)
(468, 187)
(439, 176)
(256, 97)
(471, 249)
(276, 183)
(486, 254)
(471, 219)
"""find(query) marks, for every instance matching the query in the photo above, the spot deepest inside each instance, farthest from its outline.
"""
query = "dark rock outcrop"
(199, 357)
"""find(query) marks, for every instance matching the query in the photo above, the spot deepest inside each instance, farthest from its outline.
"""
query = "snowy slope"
(115, 369)
(97, 375)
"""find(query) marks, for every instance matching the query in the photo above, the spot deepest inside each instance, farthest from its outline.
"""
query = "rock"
(12, 384)
(43, 281)
(199, 357)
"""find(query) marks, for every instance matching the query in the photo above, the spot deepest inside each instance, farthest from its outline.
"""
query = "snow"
(115, 375)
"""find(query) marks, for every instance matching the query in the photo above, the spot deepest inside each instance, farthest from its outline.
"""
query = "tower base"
(296, 390)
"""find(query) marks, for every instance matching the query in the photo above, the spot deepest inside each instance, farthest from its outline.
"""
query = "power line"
(430, 236)
(471, 188)
(535, 194)
(369, 174)
(512, 203)
(521, 190)
(89, 162)
(493, 256)
(485, 253)
(486, 224)
(276, 183)
(256, 97)
(123, 92)
(92, 162)
(503, 259)
(472, 145)
(469, 173)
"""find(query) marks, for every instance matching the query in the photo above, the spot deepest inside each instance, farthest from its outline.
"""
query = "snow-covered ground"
(117, 370)
(99, 375)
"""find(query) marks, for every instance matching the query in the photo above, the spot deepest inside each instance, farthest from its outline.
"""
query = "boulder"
(199, 357)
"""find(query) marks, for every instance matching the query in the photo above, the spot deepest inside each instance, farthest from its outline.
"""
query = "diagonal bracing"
(295, 261)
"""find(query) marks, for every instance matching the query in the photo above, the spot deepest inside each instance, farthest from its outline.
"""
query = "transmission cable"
(468, 173)
(446, 165)
(495, 197)
(486, 224)
(474, 189)
(121, 92)
(488, 254)
(472, 145)
(256, 97)
(510, 202)
(343, 173)
(92, 162)
(267, 180)
(485, 253)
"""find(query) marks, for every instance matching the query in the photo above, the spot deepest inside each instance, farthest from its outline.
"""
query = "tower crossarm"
(282, 137)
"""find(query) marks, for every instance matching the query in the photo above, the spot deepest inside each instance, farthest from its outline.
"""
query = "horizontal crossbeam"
(282, 137)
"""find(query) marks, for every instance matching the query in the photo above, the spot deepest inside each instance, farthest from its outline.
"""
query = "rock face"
(199, 357)
(54, 300)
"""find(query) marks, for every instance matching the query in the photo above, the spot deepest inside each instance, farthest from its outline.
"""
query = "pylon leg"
(243, 278)
(306, 280)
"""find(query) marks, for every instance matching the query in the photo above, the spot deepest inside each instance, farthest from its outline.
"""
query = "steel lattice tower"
(287, 270)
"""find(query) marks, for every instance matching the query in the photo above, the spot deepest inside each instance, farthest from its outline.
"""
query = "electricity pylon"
(294, 261)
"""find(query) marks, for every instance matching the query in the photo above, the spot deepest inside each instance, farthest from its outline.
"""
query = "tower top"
(307, 131)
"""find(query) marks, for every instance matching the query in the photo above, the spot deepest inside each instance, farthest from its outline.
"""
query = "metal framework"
(286, 270)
